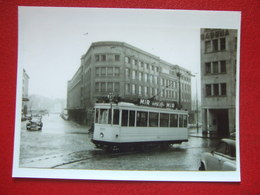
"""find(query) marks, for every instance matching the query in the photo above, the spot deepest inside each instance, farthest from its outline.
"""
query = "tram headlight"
(102, 135)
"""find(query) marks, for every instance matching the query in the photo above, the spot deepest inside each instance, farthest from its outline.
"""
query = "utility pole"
(179, 76)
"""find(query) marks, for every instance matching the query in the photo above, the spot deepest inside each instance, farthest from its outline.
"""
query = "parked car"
(35, 123)
(223, 158)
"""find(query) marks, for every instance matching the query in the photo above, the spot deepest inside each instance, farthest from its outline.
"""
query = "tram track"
(62, 159)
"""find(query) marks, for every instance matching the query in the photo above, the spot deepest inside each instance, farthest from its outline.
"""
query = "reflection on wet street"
(64, 144)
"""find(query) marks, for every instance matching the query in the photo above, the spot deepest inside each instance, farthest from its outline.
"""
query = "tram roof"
(133, 106)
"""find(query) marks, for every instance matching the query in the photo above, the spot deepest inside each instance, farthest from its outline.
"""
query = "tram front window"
(103, 116)
(116, 117)
(97, 112)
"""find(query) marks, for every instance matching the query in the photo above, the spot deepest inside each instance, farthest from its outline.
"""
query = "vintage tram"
(124, 125)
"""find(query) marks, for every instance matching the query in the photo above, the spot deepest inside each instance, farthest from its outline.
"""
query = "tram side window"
(141, 120)
(180, 120)
(185, 121)
(164, 120)
(124, 120)
(131, 118)
(103, 116)
(97, 112)
(116, 117)
(153, 119)
(173, 120)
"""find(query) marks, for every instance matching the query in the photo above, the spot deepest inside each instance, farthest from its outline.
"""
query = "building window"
(117, 58)
(117, 87)
(140, 76)
(103, 57)
(97, 87)
(127, 88)
(223, 88)
(97, 58)
(152, 79)
(215, 67)
(140, 90)
(223, 68)
(208, 90)
(145, 77)
(103, 71)
(215, 90)
(127, 59)
(145, 91)
(109, 86)
(133, 74)
(103, 87)
(109, 71)
(207, 46)
(208, 68)
(97, 72)
(133, 88)
(215, 44)
(136, 62)
(222, 43)
(117, 72)
(127, 73)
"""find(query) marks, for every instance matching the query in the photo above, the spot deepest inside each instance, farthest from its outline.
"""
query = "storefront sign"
(159, 104)
(214, 34)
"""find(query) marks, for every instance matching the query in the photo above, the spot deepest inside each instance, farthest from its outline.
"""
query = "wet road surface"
(64, 144)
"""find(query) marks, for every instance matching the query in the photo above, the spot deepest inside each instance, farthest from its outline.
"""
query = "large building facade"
(123, 70)
(25, 97)
(218, 80)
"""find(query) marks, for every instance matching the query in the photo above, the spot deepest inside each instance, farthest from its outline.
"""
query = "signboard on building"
(159, 104)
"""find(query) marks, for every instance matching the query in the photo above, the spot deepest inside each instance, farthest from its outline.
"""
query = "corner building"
(218, 80)
(123, 70)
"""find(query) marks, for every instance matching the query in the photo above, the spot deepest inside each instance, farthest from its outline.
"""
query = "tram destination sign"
(159, 104)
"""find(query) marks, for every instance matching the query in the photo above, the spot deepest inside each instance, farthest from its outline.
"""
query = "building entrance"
(222, 122)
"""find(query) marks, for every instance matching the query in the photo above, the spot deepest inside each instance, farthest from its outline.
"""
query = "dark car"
(35, 123)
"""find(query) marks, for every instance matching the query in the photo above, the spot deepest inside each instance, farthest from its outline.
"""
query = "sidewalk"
(193, 132)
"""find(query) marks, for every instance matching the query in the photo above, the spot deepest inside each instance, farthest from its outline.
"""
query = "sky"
(51, 41)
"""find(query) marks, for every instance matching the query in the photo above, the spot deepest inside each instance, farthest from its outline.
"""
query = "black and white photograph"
(127, 94)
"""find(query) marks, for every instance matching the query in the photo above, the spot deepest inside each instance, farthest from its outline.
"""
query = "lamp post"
(197, 106)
